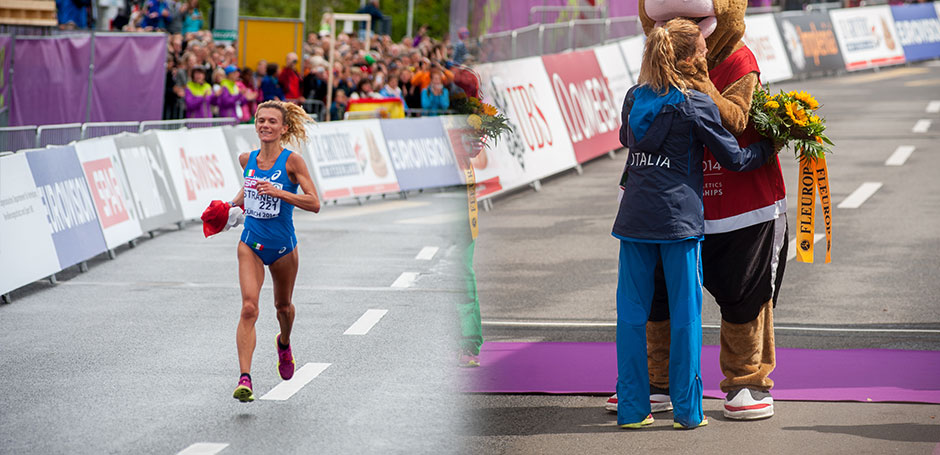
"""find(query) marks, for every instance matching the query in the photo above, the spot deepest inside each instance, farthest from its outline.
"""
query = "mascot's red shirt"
(734, 200)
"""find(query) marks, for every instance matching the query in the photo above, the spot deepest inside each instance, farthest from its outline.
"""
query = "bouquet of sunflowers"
(791, 118)
(485, 119)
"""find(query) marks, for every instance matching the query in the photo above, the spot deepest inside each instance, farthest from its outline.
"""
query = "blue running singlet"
(269, 221)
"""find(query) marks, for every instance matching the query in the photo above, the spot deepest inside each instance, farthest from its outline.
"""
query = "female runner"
(272, 175)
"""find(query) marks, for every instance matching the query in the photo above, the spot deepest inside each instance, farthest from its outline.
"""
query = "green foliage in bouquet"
(791, 118)
(485, 119)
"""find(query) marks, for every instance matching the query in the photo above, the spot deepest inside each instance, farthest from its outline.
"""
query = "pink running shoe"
(285, 360)
(243, 392)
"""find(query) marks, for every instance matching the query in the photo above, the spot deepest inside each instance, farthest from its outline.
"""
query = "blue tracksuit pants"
(682, 267)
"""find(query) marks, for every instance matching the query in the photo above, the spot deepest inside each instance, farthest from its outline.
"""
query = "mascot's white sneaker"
(659, 401)
(748, 404)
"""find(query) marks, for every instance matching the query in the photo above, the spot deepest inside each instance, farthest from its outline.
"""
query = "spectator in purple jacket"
(198, 95)
(230, 100)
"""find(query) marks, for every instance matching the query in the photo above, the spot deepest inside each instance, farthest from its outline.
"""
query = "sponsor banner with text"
(349, 159)
(867, 37)
(241, 139)
(110, 190)
(70, 212)
(539, 145)
(632, 49)
(27, 252)
(588, 106)
(763, 39)
(201, 166)
(614, 68)
(810, 41)
(151, 184)
(918, 30)
(420, 153)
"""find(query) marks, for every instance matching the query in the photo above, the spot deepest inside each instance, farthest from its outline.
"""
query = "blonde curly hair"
(665, 47)
(293, 116)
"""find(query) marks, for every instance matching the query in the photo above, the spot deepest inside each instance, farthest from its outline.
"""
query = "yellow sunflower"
(796, 114)
(772, 105)
(475, 121)
(807, 99)
(489, 110)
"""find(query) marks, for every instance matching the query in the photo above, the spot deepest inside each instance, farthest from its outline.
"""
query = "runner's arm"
(239, 198)
(297, 168)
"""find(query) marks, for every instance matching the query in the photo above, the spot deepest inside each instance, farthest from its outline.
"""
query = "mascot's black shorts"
(742, 269)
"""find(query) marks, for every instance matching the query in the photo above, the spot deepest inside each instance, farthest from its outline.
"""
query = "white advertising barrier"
(633, 54)
(763, 39)
(349, 159)
(589, 107)
(150, 181)
(110, 190)
(201, 166)
(27, 252)
(614, 67)
(539, 145)
(241, 139)
(867, 37)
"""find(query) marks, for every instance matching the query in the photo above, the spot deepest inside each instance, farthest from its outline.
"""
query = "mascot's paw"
(748, 404)
(695, 72)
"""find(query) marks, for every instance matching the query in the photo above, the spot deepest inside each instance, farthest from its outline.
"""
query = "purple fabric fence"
(50, 83)
(5, 58)
(50, 80)
(515, 14)
(129, 78)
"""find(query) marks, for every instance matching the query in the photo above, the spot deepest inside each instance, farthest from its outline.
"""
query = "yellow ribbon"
(472, 199)
(814, 175)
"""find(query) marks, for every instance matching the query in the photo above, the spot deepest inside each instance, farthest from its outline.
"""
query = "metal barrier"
(536, 13)
(13, 138)
(315, 108)
(543, 39)
(425, 112)
(210, 122)
(90, 130)
(58, 134)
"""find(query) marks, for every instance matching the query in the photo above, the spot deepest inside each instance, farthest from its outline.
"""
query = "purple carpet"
(801, 374)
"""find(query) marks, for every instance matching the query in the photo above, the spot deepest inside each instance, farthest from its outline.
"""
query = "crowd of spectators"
(203, 79)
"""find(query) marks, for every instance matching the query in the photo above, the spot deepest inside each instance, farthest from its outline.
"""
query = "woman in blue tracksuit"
(666, 126)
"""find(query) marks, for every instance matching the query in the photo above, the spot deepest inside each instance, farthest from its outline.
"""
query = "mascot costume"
(744, 251)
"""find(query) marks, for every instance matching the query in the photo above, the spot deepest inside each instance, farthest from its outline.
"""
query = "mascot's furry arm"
(733, 104)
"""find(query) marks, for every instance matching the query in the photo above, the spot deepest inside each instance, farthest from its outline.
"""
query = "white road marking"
(921, 126)
(575, 324)
(204, 448)
(933, 107)
(860, 195)
(287, 389)
(365, 322)
(405, 280)
(427, 253)
(791, 245)
(266, 287)
(900, 155)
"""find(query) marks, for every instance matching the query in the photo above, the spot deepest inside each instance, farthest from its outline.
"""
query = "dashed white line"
(204, 448)
(921, 126)
(933, 107)
(405, 280)
(791, 246)
(860, 195)
(287, 389)
(427, 253)
(900, 155)
(365, 322)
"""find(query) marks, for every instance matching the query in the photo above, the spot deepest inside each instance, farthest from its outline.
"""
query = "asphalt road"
(138, 354)
(546, 265)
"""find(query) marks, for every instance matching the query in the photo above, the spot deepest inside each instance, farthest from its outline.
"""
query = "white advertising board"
(867, 37)
(614, 68)
(27, 252)
(633, 53)
(201, 166)
(349, 159)
(763, 39)
(110, 190)
(539, 145)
